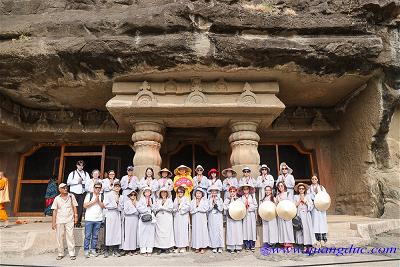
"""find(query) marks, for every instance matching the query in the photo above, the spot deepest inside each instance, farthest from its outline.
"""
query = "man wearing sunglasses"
(93, 218)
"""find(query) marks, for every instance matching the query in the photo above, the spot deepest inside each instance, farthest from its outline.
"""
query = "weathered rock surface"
(50, 47)
(59, 58)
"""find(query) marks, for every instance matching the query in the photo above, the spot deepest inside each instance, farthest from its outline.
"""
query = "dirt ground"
(389, 239)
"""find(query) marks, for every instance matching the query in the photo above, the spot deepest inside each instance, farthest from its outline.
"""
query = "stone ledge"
(371, 229)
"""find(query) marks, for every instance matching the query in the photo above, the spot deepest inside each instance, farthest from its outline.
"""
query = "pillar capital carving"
(244, 125)
(155, 126)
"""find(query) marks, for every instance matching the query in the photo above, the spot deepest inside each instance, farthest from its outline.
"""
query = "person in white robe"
(165, 180)
(129, 182)
(198, 208)
(149, 181)
(247, 178)
(113, 221)
(130, 223)
(230, 180)
(109, 182)
(285, 176)
(234, 228)
(146, 229)
(319, 219)
(96, 178)
(214, 180)
(109, 188)
(200, 180)
(246, 191)
(215, 219)
(181, 220)
(285, 228)
(265, 179)
(163, 208)
(270, 228)
(304, 206)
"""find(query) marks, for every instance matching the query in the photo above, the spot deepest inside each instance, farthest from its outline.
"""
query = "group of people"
(141, 214)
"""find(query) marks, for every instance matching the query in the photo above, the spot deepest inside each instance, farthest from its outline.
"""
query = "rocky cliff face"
(58, 54)
(51, 50)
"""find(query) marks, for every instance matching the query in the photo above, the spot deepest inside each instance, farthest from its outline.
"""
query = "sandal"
(202, 251)
(73, 258)
(197, 251)
(59, 257)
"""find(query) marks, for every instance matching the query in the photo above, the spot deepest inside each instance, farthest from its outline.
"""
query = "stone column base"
(147, 140)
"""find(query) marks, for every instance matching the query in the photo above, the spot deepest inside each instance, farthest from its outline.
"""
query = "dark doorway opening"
(192, 155)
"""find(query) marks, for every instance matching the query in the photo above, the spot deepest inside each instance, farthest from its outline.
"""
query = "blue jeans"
(92, 230)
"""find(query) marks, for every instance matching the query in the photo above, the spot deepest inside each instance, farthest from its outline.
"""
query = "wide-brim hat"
(229, 169)
(290, 170)
(201, 190)
(246, 168)
(165, 190)
(296, 188)
(213, 187)
(146, 188)
(251, 189)
(264, 166)
(165, 170)
(213, 170)
(199, 167)
(182, 167)
(130, 191)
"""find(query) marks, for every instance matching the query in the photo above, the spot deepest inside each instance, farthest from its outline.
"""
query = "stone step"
(342, 233)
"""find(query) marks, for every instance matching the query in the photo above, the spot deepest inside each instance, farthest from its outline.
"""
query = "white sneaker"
(176, 250)
(182, 250)
(220, 250)
(214, 250)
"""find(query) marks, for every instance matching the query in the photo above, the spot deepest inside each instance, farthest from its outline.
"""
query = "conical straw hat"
(237, 210)
(267, 211)
(322, 201)
(286, 210)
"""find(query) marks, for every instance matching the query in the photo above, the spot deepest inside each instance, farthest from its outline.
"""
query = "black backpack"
(297, 225)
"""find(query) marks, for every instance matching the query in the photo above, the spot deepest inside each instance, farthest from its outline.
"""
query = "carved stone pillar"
(147, 140)
(244, 143)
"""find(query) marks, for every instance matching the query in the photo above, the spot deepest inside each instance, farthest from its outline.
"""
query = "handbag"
(146, 217)
(297, 225)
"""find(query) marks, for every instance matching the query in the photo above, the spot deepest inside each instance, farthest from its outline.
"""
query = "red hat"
(213, 170)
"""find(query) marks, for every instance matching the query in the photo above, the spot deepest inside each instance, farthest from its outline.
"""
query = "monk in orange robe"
(4, 198)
